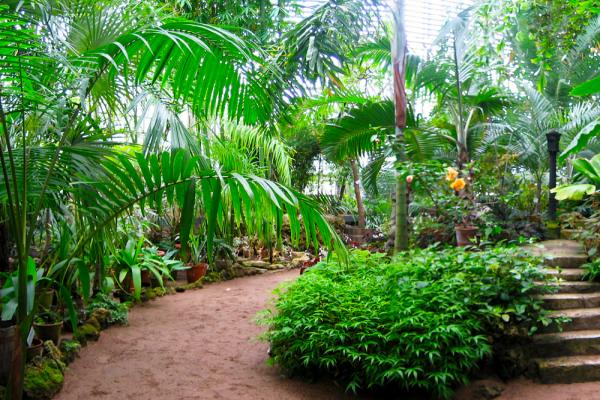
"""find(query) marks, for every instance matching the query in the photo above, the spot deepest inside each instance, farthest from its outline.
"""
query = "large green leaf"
(590, 87)
(573, 192)
(582, 138)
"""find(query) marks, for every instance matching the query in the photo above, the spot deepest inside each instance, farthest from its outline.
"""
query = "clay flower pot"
(465, 234)
(8, 334)
(196, 272)
(35, 349)
(48, 331)
(46, 298)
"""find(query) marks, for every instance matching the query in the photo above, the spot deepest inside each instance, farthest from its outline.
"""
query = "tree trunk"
(401, 236)
(4, 248)
(399, 63)
(362, 219)
(342, 190)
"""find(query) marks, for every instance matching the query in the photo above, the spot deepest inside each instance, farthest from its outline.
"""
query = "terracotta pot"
(35, 349)
(46, 298)
(8, 341)
(465, 234)
(196, 272)
(48, 331)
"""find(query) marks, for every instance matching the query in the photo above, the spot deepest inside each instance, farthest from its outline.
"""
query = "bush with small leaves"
(421, 321)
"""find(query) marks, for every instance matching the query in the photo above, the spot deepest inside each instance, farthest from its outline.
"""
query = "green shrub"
(421, 321)
(118, 311)
(592, 270)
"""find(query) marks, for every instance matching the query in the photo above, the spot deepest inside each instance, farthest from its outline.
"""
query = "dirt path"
(196, 345)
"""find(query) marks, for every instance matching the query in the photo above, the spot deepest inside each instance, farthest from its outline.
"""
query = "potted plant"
(35, 349)
(466, 230)
(130, 263)
(8, 309)
(46, 298)
(197, 267)
(8, 335)
(48, 326)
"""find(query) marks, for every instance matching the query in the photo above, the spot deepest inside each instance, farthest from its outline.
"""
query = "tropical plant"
(56, 142)
(587, 171)
(131, 261)
(118, 311)
(419, 321)
(466, 97)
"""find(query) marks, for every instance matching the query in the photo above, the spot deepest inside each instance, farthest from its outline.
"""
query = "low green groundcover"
(421, 321)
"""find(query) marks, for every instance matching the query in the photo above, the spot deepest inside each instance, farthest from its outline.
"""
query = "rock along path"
(197, 345)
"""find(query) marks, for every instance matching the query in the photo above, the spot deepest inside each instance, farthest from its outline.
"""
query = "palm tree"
(399, 50)
(466, 98)
(56, 143)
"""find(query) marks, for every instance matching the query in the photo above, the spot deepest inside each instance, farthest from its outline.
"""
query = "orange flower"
(451, 174)
(458, 184)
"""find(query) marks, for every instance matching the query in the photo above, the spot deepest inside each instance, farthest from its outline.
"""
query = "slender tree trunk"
(401, 237)
(399, 63)
(4, 248)
(342, 190)
(538, 195)
(362, 218)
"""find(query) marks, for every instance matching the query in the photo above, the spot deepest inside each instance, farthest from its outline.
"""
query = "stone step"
(569, 369)
(560, 253)
(571, 261)
(570, 274)
(574, 286)
(354, 230)
(357, 238)
(561, 344)
(581, 319)
(563, 301)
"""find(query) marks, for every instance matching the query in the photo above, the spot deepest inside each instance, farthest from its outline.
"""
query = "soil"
(197, 345)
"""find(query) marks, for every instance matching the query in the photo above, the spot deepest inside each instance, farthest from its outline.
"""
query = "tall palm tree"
(399, 50)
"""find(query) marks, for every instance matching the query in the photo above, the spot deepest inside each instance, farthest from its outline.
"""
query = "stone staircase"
(572, 355)
(355, 234)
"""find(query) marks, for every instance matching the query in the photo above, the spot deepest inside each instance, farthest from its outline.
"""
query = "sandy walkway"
(196, 345)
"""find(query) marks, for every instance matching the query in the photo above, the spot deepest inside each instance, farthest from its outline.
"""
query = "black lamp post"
(553, 142)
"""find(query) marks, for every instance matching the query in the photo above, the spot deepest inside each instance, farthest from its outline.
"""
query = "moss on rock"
(94, 322)
(194, 285)
(43, 379)
(102, 315)
(87, 332)
(70, 350)
(52, 352)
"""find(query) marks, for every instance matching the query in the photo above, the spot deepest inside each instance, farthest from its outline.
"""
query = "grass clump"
(418, 322)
